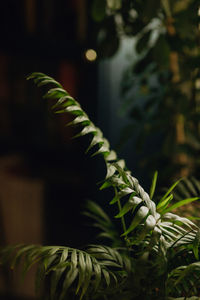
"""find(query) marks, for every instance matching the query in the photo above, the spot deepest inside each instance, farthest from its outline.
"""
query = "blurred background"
(134, 67)
(44, 175)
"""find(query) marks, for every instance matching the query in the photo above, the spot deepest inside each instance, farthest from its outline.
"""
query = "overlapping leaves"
(184, 279)
(153, 231)
(84, 271)
(146, 218)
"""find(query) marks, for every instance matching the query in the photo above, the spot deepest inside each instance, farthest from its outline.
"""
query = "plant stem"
(120, 208)
(166, 7)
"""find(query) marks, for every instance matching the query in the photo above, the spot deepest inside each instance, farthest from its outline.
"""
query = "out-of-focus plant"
(161, 90)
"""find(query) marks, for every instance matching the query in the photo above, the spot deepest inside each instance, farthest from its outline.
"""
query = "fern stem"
(122, 218)
(120, 208)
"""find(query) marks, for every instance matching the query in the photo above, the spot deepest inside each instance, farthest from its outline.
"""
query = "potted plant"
(155, 255)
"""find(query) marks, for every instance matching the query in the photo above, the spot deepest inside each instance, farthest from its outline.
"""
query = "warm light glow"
(91, 55)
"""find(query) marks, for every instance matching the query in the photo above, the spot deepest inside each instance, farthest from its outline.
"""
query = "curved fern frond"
(93, 270)
(117, 174)
(153, 235)
(146, 218)
(184, 280)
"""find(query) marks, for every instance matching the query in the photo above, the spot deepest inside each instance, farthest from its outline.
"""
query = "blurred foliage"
(161, 90)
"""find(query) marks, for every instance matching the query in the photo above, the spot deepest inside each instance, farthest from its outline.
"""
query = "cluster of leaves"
(156, 254)
(160, 91)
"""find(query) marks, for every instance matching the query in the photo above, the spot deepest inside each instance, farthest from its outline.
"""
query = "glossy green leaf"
(106, 276)
(122, 193)
(153, 185)
(42, 79)
(138, 218)
(55, 93)
(88, 275)
(64, 102)
(112, 156)
(111, 169)
(74, 258)
(177, 219)
(74, 109)
(170, 190)
(130, 205)
(80, 119)
(69, 279)
(97, 140)
(164, 203)
(82, 271)
(97, 271)
(55, 278)
(64, 255)
(180, 203)
(48, 260)
(105, 185)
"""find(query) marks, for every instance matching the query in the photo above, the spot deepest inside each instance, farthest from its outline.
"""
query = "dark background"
(48, 36)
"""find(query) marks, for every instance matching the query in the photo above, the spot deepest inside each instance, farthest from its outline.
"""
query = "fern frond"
(154, 238)
(103, 222)
(187, 188)
(92, 270)
(146, 218)
(184, 280)
(116, 170)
